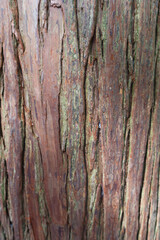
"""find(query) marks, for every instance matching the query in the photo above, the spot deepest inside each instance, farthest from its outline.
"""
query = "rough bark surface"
(79, 119)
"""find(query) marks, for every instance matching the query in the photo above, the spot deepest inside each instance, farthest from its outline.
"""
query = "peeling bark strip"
(79, 119)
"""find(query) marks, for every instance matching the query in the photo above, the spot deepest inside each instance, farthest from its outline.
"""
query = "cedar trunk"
(79, 119)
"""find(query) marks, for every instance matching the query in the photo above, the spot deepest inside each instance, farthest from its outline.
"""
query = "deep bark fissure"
(149, 132)
(101, 213)
(155, 83)
(39, 26)
(77, 28)
(23, 153)
(151, 179)
(157, 208)
(84, 147)
(13, 5)
(101, 42)
(42, 21)
(21, 108)
(92, 32)
(1, 70)
(3, 231)
(124, 178)
(156, 28)
(1, 132)
(127, 64)
(7, 196)
(148, 218)
(67, 196)
(144, 169)
(98, 133)
(131, 75)
(130, 78)
(149, 199)
(86, 58)
(64, 152)
(60, 88)
(1, 89)
(133, 41)
(156, 53)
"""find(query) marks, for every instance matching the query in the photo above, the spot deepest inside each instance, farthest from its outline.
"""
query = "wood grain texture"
(79, 119)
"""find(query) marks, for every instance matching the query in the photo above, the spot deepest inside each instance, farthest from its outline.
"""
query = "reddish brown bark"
(79, 119)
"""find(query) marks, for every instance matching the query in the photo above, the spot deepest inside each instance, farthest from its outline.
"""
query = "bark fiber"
(79, 119)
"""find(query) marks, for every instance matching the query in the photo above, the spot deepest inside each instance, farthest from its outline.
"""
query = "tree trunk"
(79, 119)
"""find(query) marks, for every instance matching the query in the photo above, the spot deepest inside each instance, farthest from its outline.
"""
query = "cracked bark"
(79, 119)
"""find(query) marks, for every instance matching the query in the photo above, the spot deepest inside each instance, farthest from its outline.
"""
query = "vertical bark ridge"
(127, 100)
(12, 40)
(144, 170)
(84, 150)
(5, 221)
(139, 75)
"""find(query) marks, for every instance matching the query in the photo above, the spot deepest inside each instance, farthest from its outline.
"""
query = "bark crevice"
(144, 169)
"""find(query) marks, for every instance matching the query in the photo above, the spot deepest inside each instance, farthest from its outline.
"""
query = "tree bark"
(79, 119)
